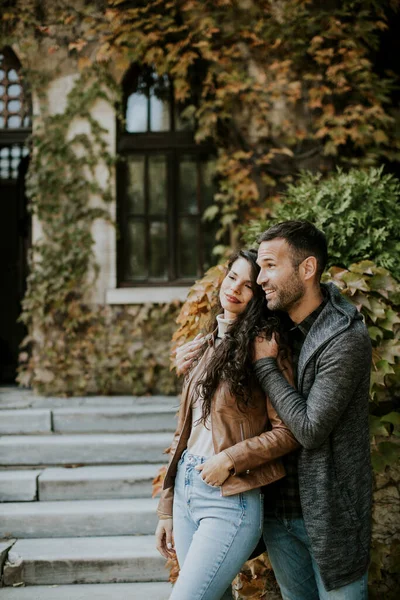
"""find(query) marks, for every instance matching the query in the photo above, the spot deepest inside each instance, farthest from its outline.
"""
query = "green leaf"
(390, 452)
(375, 333)
(393, 418)
(210, 213)
(384, 367)
(376, 427)
(391, 318)
(378, 462)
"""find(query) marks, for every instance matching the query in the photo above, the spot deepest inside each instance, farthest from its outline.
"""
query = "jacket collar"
(336, 316)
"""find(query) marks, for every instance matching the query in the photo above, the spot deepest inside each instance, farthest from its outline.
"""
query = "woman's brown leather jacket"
(254, 437)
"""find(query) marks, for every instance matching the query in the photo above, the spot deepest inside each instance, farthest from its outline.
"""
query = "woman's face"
(236, 289)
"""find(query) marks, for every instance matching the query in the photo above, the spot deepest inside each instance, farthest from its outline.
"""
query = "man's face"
(278, 277)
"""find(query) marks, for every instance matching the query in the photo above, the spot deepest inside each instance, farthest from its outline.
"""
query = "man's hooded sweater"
(328, 414)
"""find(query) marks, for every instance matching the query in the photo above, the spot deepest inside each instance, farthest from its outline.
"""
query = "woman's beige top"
(200, 441)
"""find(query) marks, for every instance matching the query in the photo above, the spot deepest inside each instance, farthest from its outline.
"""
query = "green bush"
(359, 212)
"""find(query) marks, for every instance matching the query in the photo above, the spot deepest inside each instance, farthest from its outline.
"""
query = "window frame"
(172, 144)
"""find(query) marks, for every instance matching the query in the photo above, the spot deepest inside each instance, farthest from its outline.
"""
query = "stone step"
(18, 486)
(14, 397)
(25, 421)
(83, 448)
(79, 518)
(146, 417)
(105, 591)
(140, 418)
(86, 483)
(84, 560)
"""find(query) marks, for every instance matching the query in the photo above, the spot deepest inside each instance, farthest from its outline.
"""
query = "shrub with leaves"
(359, 212)
(377, 296)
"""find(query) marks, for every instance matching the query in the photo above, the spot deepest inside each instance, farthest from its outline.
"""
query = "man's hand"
(165, 538)
(186, 353)
(263, 348)
(216, 469)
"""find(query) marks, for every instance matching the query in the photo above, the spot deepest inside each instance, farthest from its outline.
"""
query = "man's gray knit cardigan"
(329, 417)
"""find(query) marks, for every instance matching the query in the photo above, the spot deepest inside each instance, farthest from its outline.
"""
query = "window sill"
(145, 295)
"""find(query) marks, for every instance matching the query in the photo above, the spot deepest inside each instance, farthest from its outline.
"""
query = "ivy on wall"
(278, 86)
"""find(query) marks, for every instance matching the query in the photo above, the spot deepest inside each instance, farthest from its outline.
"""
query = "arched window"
(15, 115)
(165, 182)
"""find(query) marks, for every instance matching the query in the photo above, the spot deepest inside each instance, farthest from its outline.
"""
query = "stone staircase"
(77, 519)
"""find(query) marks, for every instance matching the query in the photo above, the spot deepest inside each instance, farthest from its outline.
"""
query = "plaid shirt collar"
(306, 324)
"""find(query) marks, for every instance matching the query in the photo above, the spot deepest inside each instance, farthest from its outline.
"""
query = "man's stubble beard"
(287, 297)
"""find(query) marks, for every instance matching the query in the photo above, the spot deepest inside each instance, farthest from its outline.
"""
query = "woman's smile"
(232, 299)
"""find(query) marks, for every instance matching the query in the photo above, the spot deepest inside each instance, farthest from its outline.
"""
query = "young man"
(317, 525)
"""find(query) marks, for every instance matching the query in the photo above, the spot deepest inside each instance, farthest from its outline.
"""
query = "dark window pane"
(207, 182)
(136, 113)
(188, 248)
(188, 186)
(158, 250)
(135, 184)
(136, 263)
(158, 185)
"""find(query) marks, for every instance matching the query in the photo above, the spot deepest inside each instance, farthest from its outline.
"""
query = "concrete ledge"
(146, 295)
(18, 486)
(25, 421)
(96, 483)
(110, 591)
(79, 518)
(133, 419)
(84, 449)
(21, 399)
(84, 560)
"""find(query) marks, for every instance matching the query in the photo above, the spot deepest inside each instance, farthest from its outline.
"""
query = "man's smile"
(268, 292)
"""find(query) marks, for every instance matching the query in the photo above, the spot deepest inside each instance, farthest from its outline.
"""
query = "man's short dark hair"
(304, 240)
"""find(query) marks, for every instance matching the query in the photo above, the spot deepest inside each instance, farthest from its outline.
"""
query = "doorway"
(15, 233)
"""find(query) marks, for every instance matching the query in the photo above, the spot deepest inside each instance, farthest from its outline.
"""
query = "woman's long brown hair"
(231, 362)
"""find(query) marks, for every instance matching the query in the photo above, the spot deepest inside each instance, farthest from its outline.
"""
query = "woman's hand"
(186, 353)
(216, 469)
(263, 348)
(165, 538)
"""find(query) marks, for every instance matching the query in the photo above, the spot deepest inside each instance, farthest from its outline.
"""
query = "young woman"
(226, 446)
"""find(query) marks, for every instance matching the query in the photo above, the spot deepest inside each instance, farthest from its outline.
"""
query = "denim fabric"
(214, 535)
(295, 569)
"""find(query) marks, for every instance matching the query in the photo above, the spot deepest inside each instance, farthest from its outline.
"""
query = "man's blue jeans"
(295, 569)
(214, 535)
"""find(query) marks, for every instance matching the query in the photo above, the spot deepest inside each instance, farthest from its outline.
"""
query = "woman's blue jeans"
(214, 535)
